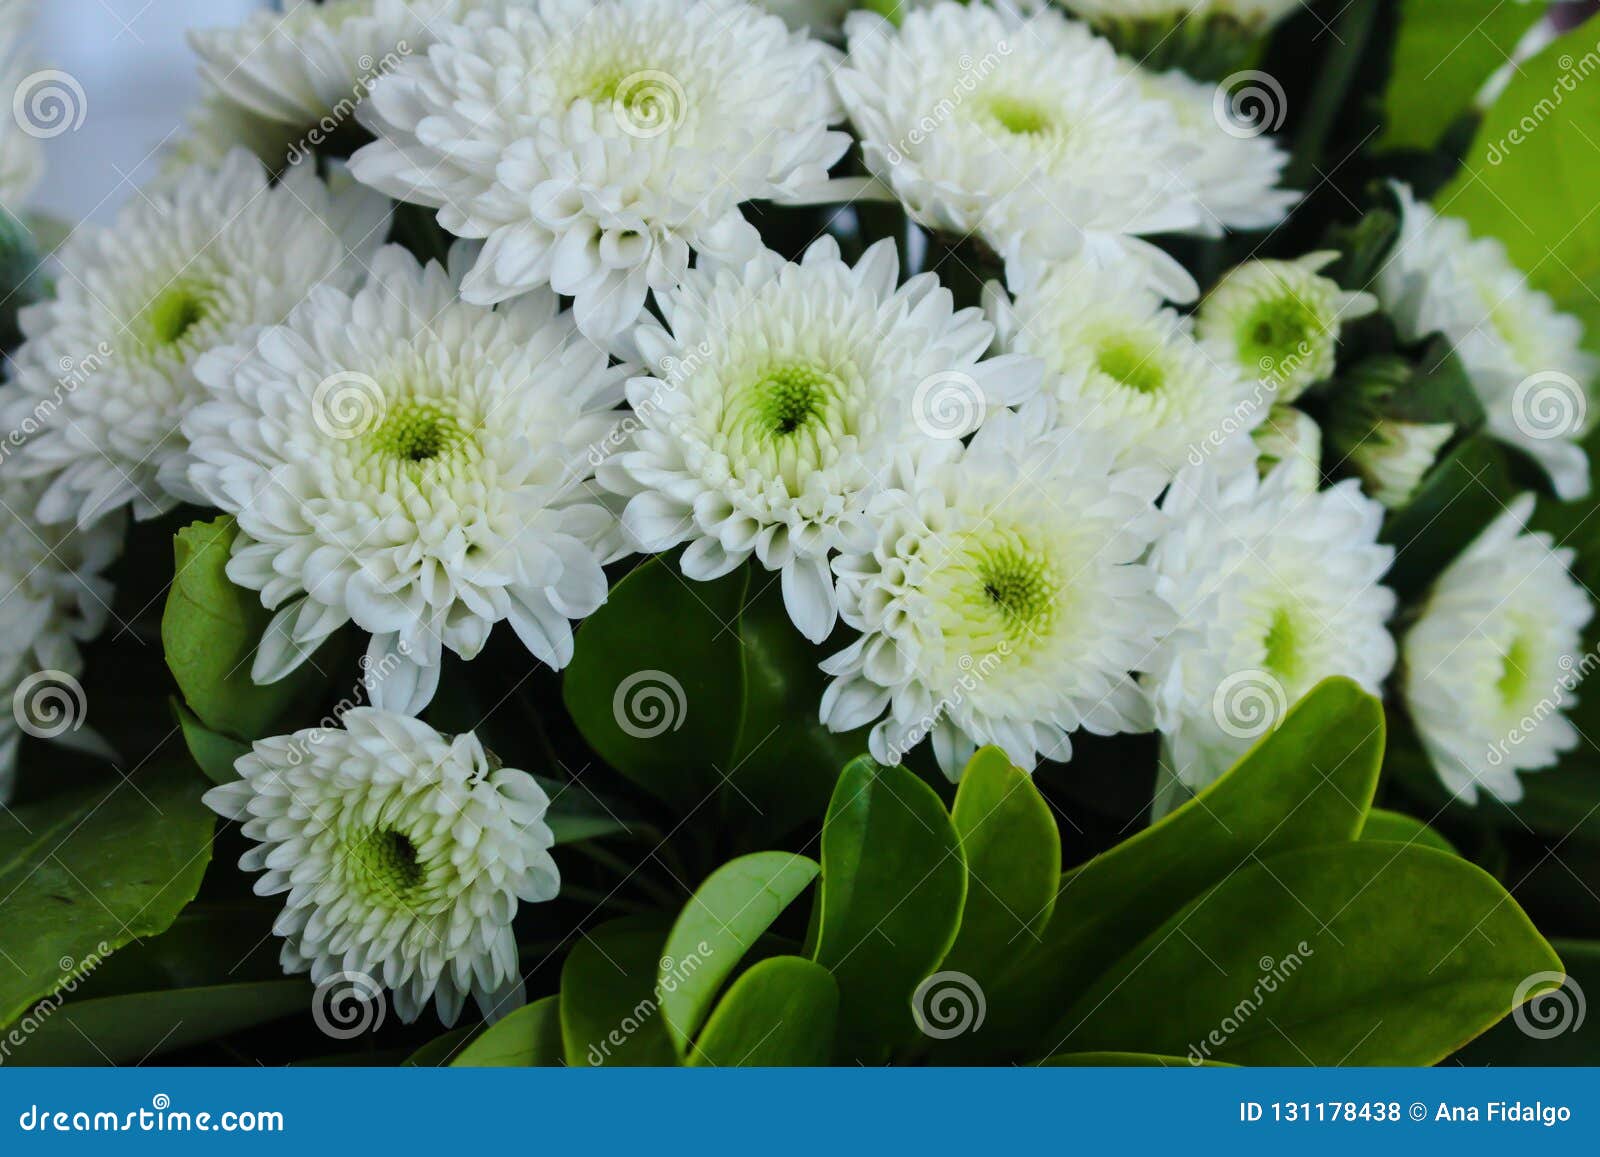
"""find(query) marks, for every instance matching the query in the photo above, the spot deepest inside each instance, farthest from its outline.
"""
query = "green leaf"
(1347, 954)
(1526, 182)
(1123, 1061)
(787, 761)
(441, 1050)
(530, 1036)
(893, 883)
(1395, 828)
(722, 920)
(1309, 781)
(209, 632)
(1013, 853)
(577, 814)
(610, 1007)
(654, 684)
(116, 1029)
(780, 1012)
(83, 874)
(1445, 52)
(1461, 495)
(214, 754)
(1554, 1027)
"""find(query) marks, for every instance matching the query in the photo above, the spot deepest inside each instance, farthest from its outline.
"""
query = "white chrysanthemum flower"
(1028, 133)
(1290, 437)
(1004, 600)
(1393, 456)
(1491, 664)
(403, 854)
(1280, 321)
(1126, 370)
(1276, 589)
(1237, 166)
(21, 151)
(415, 464)
(782, 393)
(593, 145)
(1525, 358)
(111, 357)
(292, 80)
(53, 596)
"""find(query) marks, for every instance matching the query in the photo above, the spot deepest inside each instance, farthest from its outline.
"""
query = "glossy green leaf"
(1527, 183)
(577, 814)
(1124, 1061)
(610, 1005)
(85, 873)
(722, 920)
(655, 685)
(1395, 828)
(1346, 954)
(209, 632)
(893, 883)
(441, 1050)
(530, 1036)
(1445, 52)
(782, 1011)
(118, 1029)
(214, 754)
(1555, 1027)
(1013, 853)
(1309, 781)
(1461, 495)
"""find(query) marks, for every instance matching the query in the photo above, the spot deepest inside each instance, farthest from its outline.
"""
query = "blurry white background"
(139, 78)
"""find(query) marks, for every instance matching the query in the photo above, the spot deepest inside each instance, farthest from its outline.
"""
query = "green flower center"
(1018, 116)
(1130, 365)
(791, 398)
(1514, 667)
(385, 862)
(1282, 331)
(418, 431)
(1018, 586)
(174, 312)
(1284, 646)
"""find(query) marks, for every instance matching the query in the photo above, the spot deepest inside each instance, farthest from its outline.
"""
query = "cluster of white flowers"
(1072, 510)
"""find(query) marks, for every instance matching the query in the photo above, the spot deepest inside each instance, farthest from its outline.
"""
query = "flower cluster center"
(386, 861)
(418, 431)
(1130, 365)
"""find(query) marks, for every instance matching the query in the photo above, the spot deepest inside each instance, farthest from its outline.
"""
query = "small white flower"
(1276, 589)
(1029, 133)
(1004, 600)
(1291, 436)
(1393, 457)
(1439, 279)
(1280, 321)
(781, 395)
(403, 855)
(415, 464)
(1127, 370)
(110, 359)
(1491, 664)
(593, 145)
(53, 596)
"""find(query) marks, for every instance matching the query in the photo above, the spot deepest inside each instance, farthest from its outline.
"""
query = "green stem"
(1351, 36)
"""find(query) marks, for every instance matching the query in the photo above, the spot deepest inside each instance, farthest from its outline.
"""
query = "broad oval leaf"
(212, 752)
(893, 883)
(441, 1050)
(1347, 954)
(782, 1011)
(726, 915)
(1555, 1027)
(529, 1036)
(610, 1005)
(1395, 828)
(1125, 1061)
